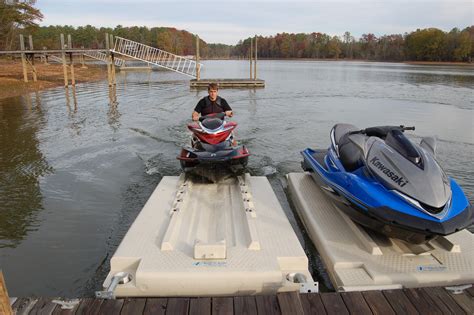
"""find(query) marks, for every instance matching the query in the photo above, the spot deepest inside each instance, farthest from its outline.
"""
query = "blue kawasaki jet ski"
(387, 183)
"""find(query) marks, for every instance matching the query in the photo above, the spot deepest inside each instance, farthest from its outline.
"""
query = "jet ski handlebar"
(381, 131)
(215, 115)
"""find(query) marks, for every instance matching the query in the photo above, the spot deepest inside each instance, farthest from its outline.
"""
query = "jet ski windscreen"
(212, 123)
(397, 140)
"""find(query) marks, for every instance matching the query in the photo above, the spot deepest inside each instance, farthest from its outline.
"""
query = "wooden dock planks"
(435, 300)
(377, 303)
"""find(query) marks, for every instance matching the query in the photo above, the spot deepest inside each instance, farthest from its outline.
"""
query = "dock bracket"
(305, 285)
(118, 278)
(458, 289)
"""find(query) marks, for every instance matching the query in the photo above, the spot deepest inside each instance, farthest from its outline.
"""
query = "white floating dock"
(197, 239)
(360, 260)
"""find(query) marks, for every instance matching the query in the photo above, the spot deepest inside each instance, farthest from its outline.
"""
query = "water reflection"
(68, 100)
(113, 114)
(22, 165)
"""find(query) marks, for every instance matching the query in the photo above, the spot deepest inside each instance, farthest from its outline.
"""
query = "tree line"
(430, 44)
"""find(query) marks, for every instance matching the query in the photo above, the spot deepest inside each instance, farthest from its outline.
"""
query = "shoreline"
(432, 63)
(49, 76)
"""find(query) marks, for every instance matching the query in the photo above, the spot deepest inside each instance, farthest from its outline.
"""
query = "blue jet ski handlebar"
(381, 131)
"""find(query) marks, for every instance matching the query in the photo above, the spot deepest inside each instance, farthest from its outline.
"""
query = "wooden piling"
(251, 57)
(198, 66)
(33, 68)
(112, 59)
(63, 56)
(83, 65)
(23, 58)
(5, 307)
(71, 60)
(255, 61)
(107, 47)
(45, 56)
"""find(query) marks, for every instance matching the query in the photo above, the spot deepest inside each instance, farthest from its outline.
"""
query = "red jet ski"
(213, 143)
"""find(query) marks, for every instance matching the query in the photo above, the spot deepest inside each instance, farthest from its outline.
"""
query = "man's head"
(212, 89)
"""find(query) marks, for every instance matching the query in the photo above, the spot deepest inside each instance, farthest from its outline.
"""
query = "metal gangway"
(92, 54)
(155, 56)
(119, 62)
(55, 58)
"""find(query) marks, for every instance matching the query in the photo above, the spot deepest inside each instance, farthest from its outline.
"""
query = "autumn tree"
(368, 46)
(457, 45)
(14, 16)
(426, 44)
(334, 47)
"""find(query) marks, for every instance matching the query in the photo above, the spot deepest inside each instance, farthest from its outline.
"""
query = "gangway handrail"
(55, 58)
(119, 62)
(155, 56)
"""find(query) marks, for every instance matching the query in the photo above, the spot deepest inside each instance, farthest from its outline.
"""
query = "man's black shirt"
(205, 106)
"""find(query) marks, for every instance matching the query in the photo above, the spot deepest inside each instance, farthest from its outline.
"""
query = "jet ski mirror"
(429, 144)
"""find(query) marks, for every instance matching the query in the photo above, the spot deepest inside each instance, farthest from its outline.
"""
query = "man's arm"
(227, 109)
(197, 110)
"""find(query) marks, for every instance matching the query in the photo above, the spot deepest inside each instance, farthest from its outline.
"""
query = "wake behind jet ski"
(213, 144)
(385, 182)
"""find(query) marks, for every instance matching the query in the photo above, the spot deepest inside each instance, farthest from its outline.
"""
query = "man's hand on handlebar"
(195, 116)
(222, 115)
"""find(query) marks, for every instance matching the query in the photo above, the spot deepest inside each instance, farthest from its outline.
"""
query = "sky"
(227, 22)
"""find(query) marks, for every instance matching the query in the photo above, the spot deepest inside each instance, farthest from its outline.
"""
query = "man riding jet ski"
(213, 140)
(385, 182)
(213, 143)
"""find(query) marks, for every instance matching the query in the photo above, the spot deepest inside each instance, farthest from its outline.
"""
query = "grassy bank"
(49, 75)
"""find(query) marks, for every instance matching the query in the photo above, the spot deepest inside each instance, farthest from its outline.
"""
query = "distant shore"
(49, 76)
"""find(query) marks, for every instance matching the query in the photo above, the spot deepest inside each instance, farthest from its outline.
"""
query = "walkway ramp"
(55, 58)
(202, 239)
(155, 56)
(119, 62)
(358, 259)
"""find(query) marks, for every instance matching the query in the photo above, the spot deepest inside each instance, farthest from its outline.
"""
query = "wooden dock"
(228, 83)
(435, 300)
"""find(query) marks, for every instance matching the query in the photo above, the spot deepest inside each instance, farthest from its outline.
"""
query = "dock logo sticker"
(210, 264)
(431, 268)
(399, 180)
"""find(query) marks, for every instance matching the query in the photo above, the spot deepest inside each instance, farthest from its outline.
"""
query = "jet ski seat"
(342, 129)
(349, 154)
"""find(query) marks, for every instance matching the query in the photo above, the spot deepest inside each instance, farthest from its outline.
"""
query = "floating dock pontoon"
(202, 239)
(358, 259)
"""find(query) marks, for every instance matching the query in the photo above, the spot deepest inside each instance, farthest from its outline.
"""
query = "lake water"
(75, 171)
